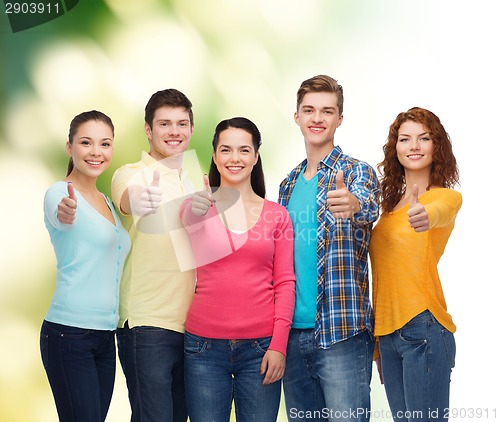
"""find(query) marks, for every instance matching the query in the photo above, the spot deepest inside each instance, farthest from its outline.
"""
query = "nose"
(174, 130)
(414, 144)
(95, 150)
(317, 117)
(235, 156)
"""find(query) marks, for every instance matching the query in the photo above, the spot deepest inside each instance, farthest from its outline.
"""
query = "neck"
(420, 178)
(314, 156)
(244, 190)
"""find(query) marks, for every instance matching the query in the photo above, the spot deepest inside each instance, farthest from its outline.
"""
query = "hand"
(379, 370)
(417, 215)
(202, 200)
(66, 210)
(145, 200)
(273, 365)
(341, 202)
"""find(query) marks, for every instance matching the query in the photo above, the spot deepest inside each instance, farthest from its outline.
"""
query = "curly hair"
(444, 169)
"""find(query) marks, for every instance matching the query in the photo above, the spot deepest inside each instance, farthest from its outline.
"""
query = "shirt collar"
(331, 159)
(164, 170)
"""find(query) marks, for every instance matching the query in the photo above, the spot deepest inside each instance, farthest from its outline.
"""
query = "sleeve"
(284, 282)
(52, 198)
(443, 210)
(362, 182)
(119, 184)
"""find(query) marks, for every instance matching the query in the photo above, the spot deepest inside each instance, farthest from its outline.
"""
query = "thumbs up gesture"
(341, 202)
(66, 210)
(417, 215)
(202, 200)
(145, 200)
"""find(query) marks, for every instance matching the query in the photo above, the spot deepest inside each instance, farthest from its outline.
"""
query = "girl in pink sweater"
(238, 324)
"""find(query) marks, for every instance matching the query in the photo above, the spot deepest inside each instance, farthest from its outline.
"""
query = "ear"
(148, 131)
(68, 148)
(213, 157)
(296, 117)
(256, 158)
(341, 118)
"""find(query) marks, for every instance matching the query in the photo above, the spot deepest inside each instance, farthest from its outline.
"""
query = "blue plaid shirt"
(343, 306)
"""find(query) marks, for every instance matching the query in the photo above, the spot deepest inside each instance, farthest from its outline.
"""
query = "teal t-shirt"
(302, 210)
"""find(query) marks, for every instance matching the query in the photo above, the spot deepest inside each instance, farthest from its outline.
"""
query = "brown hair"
(444, 169)
(321, 83)
(167, 98)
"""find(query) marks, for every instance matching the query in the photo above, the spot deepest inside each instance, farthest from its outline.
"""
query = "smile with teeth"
(173, 142)
(94, 163)
(234, 169)
(415, 156)
(316, 129)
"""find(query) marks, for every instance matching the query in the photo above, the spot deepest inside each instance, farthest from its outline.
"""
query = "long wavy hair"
(257, 175)
(444, 169)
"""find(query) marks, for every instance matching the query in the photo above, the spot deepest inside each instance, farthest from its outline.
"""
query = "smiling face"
(414, 147)
(91, 148)
(235, 156)
(170, 133)
(318, 117)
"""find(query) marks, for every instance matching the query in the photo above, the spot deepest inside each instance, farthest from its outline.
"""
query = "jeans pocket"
(262, 344)
(194, 345)
(44, 349)
(449, 345)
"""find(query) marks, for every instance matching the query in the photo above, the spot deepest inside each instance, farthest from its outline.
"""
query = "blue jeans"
(416, 366)
(218, 371)
(328, 384)
(80, 365)
(152, 360)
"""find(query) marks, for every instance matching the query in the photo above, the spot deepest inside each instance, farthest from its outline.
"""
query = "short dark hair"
(257, 175)
(170, 98)
(321, 83)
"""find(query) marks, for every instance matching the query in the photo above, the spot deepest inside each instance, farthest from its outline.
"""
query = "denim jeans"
(80, 365)
(152, 360)
(328, 384)
(416, 366)
(218, 371)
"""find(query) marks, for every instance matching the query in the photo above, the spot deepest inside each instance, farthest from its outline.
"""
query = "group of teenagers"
(278, 294)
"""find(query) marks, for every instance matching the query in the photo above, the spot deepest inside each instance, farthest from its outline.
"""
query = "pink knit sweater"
(245, 285)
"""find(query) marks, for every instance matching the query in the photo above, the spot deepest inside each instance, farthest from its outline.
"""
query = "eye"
(425, 139)
(85, 142)
(328, 112)
(403, 140)
(106, 144)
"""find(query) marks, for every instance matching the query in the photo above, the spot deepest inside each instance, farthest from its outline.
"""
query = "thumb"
(156, 178)
(339, 180)
(206, 184)
(414, 195)
(71, 191)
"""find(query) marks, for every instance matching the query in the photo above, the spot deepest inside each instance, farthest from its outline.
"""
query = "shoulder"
(57, 190)
(355, 163)
(444, 194)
